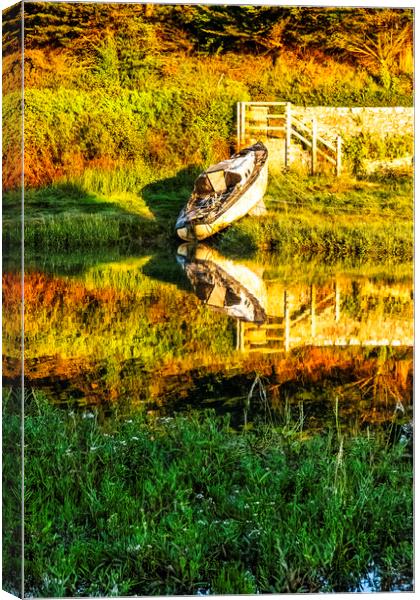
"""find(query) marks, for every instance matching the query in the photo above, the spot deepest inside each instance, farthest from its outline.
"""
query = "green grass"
(331, 219)
(99, 209)
(11, 492)
(174, 505)
(313, 217)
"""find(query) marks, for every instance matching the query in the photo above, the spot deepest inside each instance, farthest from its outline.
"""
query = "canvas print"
(207, 299)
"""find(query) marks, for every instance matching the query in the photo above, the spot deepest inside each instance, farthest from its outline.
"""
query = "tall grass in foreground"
(182, 505)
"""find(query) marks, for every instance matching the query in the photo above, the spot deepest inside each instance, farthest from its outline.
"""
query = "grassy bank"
(129, 208)
(175, 506)
(332, 219)
(335, 219)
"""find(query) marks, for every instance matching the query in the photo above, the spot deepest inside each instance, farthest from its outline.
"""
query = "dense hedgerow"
(180, 110)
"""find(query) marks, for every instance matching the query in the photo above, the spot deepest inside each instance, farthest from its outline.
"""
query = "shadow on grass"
(65, 217)
(166, 197)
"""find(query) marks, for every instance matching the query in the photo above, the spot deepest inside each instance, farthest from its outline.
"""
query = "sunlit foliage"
(107, 83)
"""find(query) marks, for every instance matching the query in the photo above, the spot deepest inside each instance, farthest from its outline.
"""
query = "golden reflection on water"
(273, 315)
(146, 331)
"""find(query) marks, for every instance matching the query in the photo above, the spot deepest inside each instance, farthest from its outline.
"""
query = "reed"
(184, 505)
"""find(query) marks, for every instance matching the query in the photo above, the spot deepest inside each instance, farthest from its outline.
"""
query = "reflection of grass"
(329, 218)
(119, 307)
(318, 271)
(121, 322)
(112, 312)
(174, 506)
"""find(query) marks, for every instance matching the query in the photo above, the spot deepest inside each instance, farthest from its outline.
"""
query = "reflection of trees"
(114, 334)
(311, 383)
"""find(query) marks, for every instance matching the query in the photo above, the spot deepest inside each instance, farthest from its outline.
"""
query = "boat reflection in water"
(134, 333)
(223, 284)
(275, 316)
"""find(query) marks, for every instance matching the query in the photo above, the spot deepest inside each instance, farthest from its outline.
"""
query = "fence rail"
(256, 117)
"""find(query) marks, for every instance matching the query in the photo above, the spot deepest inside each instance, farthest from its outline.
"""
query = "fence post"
(243, 109)
(238, 125)
(338, 159)
(288, 134)
(314, 156)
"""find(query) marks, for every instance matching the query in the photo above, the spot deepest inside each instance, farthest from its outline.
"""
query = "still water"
(198, 329)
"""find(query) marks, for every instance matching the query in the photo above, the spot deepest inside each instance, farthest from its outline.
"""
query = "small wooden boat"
(224, 193)
(223, 284)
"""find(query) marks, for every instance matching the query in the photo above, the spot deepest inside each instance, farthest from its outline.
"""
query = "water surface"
(198, 329)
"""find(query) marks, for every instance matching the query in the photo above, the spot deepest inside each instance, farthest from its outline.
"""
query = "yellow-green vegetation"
(113, 315)
(124, 104)
(185, 505)
(322, 216)
(333, 219)
(107, 209)
(147, 87)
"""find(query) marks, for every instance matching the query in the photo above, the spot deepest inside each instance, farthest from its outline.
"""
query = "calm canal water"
(197, 329)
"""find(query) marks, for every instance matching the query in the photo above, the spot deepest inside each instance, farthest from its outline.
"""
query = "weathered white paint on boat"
(250, 199)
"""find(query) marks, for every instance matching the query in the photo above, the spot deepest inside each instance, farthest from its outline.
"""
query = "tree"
(11, 29)
(379, 38)
(218, 28)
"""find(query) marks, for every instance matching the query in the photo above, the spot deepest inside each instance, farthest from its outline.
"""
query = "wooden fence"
(264, 120)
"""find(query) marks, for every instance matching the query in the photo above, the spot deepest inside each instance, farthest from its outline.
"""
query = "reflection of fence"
(268, 120)
(275, 334)
(314, 322)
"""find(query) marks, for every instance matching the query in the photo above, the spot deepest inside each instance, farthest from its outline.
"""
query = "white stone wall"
(347, 122)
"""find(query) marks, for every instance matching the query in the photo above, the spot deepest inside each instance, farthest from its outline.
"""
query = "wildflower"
(88, 415)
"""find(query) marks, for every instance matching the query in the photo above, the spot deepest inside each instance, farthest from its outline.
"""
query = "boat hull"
(251, 197)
